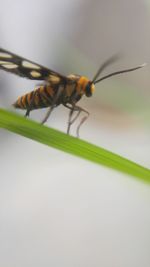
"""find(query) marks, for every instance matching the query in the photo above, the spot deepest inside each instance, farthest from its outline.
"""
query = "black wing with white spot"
(26, 68)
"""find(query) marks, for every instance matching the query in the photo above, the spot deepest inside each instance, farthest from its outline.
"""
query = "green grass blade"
(69, 144)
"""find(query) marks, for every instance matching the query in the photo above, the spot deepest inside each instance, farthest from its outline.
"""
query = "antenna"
(119, 72)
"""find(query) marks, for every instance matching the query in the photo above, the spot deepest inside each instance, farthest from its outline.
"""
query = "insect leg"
(48, 114)
(31, 105)
(53, 105)
(83, 119)
(27, 113)
(71, 121)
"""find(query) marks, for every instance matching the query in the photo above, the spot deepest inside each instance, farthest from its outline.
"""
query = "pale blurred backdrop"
(55, 209)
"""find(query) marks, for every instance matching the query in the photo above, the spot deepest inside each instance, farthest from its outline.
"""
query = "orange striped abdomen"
(39, 98)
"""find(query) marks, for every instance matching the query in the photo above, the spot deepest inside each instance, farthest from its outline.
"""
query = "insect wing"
(25, 68)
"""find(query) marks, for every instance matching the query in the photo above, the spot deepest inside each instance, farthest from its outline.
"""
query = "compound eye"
(88, 90)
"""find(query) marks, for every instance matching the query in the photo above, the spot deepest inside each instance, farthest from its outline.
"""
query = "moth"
(56, 89)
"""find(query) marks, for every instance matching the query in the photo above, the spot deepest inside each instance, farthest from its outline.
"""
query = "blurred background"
(55, 209)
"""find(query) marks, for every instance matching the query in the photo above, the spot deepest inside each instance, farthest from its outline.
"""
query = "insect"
(56, 88)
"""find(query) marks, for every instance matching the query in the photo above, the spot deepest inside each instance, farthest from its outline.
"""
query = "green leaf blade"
(72, 145)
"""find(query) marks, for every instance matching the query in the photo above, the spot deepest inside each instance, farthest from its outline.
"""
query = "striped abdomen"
(39, 98)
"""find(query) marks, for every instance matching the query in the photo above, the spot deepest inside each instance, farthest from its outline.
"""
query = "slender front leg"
(83, 119)
(81, 122)
(71, 121)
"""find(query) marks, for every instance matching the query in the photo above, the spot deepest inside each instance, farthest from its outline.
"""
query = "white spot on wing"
(8, 65)
(4, 62)
(30, 65)
(5, 55)
(35, 74)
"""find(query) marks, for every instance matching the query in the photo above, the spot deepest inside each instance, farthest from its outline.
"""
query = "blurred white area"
(55, 209)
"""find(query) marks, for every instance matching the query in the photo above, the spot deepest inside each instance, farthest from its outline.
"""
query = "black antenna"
(104, 65)
(118, 72)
